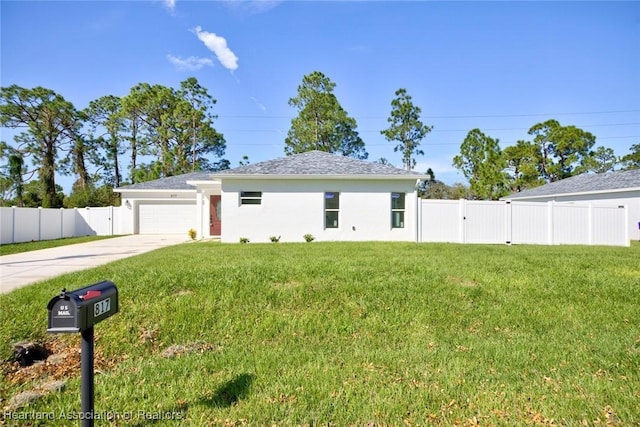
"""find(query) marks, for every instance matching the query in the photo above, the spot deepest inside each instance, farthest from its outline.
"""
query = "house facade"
(331, 197)
(619, 187)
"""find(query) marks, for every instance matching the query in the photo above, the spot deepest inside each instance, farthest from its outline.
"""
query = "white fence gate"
(551, 223)
(33, 224)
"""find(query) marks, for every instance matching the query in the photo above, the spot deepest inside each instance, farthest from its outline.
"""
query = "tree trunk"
(47, 177)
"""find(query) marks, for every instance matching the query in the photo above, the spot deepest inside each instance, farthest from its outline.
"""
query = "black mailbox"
(79, 310)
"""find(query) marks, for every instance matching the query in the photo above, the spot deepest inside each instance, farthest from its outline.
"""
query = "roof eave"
(579, 193)
(151, 190)
(208, 182)
(326, 177)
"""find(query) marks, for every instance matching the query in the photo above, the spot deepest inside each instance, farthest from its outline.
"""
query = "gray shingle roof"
(177, 182)
(585, 183)
(317, 163)
(311, 163)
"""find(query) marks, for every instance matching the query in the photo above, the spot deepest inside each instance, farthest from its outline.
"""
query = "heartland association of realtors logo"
(92, 415)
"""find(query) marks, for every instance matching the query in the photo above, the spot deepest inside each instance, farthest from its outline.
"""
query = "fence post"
(111, 220)
(13, 224)
(75, 222)
(61, 223)
(418, 221)
(461, 219)
(464, 220)
(88, 219)
(39, 223)
(550, 207)
(509, 226)
(590, 224)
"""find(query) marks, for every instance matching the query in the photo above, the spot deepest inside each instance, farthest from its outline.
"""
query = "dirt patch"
(291, 284)
(62, 361)
(461, 281)
(42, 377)
(180, 349)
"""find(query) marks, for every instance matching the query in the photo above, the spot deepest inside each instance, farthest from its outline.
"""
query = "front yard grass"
(14, 248)
(353, 334)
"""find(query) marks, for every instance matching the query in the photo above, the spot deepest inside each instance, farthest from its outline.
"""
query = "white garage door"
(166, 218)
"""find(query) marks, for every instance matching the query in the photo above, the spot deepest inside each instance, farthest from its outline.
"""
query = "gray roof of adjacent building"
(585, 183)
(309, 164)
(177, 182)
(318, 163)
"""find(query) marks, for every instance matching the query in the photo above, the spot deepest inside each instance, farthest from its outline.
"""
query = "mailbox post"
(78, 311)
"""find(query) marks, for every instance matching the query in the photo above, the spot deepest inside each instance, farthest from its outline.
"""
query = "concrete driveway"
(22, 269)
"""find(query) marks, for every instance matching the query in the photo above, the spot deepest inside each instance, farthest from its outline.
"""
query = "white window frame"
(245, 198)
(396, 210)
(326, 209)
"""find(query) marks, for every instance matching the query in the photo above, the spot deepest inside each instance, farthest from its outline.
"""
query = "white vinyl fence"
(458, 221)
(33, 224)
(551, 223)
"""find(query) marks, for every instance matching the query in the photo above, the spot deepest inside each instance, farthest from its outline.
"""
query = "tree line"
(555, 152)
(172, 127)
(175, 129)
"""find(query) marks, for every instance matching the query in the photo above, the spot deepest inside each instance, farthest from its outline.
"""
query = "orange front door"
(215, 216)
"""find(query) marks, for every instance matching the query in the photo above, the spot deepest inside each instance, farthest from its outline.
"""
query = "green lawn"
(355, 334)
(15, 248)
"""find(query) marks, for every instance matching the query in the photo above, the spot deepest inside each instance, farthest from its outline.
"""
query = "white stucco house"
(331, 197)
(619, 187)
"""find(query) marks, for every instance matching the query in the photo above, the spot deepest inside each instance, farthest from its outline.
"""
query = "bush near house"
(352, 334)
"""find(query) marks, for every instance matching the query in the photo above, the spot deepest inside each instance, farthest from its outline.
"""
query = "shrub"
(274, 239)
(244, 240)
(309, 238)
(192, 233)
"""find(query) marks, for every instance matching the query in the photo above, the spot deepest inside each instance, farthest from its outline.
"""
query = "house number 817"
(101, 307)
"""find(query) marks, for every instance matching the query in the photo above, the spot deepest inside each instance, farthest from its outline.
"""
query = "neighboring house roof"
(317, 164)
(177, 182)
(585, 184)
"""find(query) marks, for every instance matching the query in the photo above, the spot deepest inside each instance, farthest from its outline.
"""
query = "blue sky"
(497, 66)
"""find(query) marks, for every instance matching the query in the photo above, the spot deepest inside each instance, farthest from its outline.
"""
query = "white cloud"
(170, 4)
(218, 45)
(192, 63)
(258, 104)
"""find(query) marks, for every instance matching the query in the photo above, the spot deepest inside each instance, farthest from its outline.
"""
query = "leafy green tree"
(91, 196)
(197, 120)
(322, 124)
(76, 163)
(433, 188)
(562, 149)
(222, 164)
(132, 113)
(33, 195)
(522, 163)
(459, 191)
(51, 126)
(383, 161)
(12, 175)
(107, 129)
(481, 162)
(16, 169)
(601, 160)
(406, 128)
(6, 190)
(158, 104)
(175, 126)
(632, 160)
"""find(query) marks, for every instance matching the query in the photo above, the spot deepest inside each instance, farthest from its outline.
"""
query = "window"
(397, 210)
(331, 209)
(250, 197)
